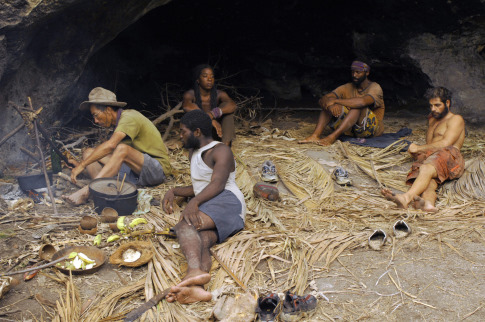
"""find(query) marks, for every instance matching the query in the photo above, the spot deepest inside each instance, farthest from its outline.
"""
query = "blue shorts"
(225, 211)
(151, 172)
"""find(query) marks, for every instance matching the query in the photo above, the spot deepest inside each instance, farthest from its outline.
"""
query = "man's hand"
(191, 215)
(167, 203)
(335, 110)
(218, 127)
(413, 148)
(76, 171)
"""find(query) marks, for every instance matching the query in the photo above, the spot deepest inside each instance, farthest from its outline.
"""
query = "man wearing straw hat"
(135, 151)
(439, 159)
(355, 108)
(215, 211)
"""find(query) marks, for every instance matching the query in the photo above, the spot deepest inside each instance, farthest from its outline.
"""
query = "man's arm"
(188, 103)
(167, 203)
(355, 102)
(455, 127)
(226, 104)
(99, 152)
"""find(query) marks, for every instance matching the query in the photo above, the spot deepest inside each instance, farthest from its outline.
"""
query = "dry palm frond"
(470, 186)
(374, 163)
(114, 302)
(262, 209)
(306, 179)
(68, 309)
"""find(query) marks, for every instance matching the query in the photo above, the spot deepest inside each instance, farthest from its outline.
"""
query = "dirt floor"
(436, 273)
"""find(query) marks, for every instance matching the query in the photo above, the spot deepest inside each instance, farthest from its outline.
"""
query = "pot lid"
(111, 186)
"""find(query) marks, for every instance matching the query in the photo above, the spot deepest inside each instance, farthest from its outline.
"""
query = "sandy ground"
(417, 278)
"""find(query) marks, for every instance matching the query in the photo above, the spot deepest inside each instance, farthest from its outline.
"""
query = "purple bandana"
(120, 110)
(360, 66)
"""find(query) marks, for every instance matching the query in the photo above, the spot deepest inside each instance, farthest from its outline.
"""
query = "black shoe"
(268, 307)
(296, 307)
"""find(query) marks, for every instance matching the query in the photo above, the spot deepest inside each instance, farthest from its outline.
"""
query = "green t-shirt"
(143, 136)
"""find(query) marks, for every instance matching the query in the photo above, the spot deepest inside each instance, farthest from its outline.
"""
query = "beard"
(358, 81)
(439, 116)
(192, 143)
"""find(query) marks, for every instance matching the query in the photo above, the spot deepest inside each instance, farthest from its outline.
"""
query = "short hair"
(198, 119)
(442, 93)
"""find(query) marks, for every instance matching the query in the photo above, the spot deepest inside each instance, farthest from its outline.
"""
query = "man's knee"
(122, 150)
(428, 170)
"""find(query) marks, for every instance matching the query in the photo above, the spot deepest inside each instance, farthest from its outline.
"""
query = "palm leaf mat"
(289, 243)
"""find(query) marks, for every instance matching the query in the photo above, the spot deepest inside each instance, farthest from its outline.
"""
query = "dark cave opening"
(292, 51)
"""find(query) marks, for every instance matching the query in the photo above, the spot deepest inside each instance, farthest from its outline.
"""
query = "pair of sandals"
(378, 238)
(293, 308)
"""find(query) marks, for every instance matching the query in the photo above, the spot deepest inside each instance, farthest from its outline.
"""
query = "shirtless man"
(355, 109)
(136, 147)
(439, 159)
(217, 104)
(215, 211)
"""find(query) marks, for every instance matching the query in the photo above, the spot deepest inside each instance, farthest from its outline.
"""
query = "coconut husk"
(145, 248)
(5, 282)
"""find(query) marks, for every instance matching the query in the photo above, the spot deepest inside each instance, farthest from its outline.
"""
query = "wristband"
(216, 112)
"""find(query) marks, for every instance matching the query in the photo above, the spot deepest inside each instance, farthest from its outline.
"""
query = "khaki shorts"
(367, 128)
(151, 172)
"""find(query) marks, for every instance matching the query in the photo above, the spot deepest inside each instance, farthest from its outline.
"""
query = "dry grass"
(287, 244)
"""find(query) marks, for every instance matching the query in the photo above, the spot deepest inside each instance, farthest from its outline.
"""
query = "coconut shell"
(88, 222)
(145, 248)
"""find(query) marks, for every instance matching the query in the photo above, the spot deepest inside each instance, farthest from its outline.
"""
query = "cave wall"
(44, 47)
(56, 51)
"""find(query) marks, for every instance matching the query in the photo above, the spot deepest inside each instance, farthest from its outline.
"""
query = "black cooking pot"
(33, 181)
(108, 192)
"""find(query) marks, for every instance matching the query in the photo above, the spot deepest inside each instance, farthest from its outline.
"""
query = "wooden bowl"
(94, 253)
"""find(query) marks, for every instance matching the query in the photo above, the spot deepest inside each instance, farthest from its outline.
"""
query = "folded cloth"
(381, 141)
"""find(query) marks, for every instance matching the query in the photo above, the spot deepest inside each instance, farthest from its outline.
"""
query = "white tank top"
(201, 175)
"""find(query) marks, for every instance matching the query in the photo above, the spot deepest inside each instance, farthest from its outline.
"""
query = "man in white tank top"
(215, 211)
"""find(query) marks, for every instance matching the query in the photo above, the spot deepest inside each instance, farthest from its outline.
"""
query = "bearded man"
(215, 211)
(355, 108)
(439, 159)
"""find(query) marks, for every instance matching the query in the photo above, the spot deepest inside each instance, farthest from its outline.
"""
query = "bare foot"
(326, 141)
(79, 197)
(186, 295)
(425, 205)
(195, 277)
(399, 200)
(311, 139)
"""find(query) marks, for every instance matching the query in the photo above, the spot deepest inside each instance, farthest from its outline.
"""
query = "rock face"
(455, 61)
(288, 48)
(44, 46)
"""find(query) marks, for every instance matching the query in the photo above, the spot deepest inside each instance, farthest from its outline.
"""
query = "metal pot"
(33, 181)
(108, 192)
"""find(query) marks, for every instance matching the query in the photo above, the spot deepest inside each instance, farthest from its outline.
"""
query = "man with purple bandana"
(355, 109)
(136, 147)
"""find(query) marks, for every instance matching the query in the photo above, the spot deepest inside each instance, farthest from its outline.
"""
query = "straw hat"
(101, 96)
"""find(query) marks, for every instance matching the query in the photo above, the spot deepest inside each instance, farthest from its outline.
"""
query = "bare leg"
(123, 153)
(352, 117)
(185, 295)
(426, 173)
(428, 198)
(323, 121)
(196, 249)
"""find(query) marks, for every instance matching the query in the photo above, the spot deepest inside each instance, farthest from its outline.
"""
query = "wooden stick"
(168, 114)
(30, 154)
(122, 182)
(68, 178)
(228, 270)
(44, 169)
